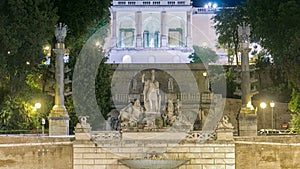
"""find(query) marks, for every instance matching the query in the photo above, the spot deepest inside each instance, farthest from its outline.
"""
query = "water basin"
(152, 164)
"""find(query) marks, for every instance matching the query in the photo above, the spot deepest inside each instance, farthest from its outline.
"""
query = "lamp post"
(43, 126)
(37, 107)
(272, 105)
(206, 83)
(263, 105)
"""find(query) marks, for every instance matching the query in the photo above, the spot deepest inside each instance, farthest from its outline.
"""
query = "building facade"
(150, 31)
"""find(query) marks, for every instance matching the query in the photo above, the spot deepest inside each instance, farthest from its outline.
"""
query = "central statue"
(150, 115)
(152, 97)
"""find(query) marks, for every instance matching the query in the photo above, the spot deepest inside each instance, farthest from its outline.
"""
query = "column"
(138, 23)
(246, 85)
(247, 118)
(58, 117)
(189, 29)
(113, 28)
(163, 28)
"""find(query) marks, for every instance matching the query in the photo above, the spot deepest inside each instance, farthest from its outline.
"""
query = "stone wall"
(107, 153)
(272, 152)
(17, 152)
(281, 114)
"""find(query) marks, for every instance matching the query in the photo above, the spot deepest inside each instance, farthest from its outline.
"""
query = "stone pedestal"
(58, 122)
(247, 120)
(224, 134)
(224, 130)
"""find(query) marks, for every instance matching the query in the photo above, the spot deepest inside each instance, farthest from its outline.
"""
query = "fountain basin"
(152, 164)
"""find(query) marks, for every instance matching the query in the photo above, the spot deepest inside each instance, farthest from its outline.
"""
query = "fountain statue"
(152, 97)
(145, 113)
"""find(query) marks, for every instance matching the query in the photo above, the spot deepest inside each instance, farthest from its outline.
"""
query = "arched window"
(126, 31)
(126, 59)
(151, 31)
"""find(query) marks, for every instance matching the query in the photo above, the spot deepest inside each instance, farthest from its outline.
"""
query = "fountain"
(152, 164)
(153, 160)
(148, 113)
(153, 131)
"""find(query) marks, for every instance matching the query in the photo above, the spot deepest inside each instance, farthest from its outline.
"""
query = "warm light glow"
(47, 47)
(97, 43)
(37, 105)
(204, 74)
(249, 105)
(47, 50)
(206, 6)
(272, 104)
(263, 105)
(27, 63)
(8, 52)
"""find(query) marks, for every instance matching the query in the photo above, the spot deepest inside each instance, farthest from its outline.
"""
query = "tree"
(103, 92)
(203, 55)
(226, 25)
(84, 18)
(26, 25)
(294, 106)
(276, 24)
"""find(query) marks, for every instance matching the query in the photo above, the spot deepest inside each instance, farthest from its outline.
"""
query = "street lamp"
(37, 106)
(263, 105)
(206, 81)
(272, 105)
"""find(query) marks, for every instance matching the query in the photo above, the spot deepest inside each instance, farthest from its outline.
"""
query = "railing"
(203, 10)
(151, 3)
(184, 97)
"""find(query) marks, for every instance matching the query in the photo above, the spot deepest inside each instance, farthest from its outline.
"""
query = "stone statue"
(177, 107)
(113, 119)
(152, 98)
(224, 123)
(60, 32)
(134, 84)
(170, 84)
(170, 112)
(131, 113)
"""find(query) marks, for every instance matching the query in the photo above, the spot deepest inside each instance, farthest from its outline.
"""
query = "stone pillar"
(138, 22)
(189, 29)
(247, 118)
(163, 27)
(244, 32)
(113, 28)
(247, 122)
(246, 85)
(59, 118)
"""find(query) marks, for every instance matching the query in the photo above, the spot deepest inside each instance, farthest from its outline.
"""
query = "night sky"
(231, 3)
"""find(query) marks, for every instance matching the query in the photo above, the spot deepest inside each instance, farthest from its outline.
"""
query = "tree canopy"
(203, 55)
(226, 25)
(275, 24)
(26, 27)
